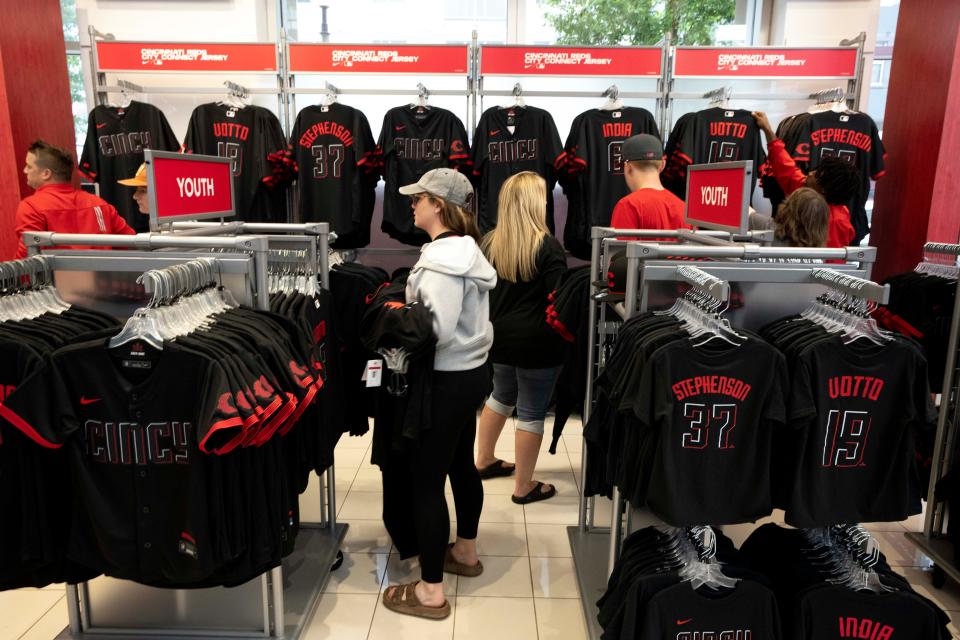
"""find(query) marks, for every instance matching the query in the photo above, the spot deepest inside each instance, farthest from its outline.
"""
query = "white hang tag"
(373, 374)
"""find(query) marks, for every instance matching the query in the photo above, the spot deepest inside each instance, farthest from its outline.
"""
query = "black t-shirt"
(592, 171)
(498, 154)
(518, 311)
(414, 140)
(856, 406)
(748, 612)
(113, 150)
(836, 612)
(247, 136)
(716, 410)
(337, 171)
(712, 135)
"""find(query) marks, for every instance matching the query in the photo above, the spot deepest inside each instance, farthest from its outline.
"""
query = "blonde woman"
(527, 354)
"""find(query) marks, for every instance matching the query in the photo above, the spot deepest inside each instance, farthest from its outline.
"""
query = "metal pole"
(73, 609)
(276, 582)
(588, 393)
(324, 29)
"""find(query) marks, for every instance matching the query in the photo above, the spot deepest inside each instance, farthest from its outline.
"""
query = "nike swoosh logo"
(682, 622)
(101, 126)
(495, 132)
(86, 401)
(399, 127)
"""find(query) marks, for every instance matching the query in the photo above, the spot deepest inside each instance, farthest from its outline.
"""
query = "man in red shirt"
(55, 205)
(835, 179)
(649, 205)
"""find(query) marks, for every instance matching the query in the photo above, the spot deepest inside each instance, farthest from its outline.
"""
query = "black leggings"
(447, 449)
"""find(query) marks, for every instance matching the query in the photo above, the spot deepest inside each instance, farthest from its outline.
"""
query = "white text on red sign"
(196, 187)
(540, 60)
(347, 57)
(734, 61)
(158, 56)
(714, 196)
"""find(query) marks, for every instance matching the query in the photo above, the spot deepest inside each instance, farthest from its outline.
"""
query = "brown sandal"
(403, 599)
(451, 565)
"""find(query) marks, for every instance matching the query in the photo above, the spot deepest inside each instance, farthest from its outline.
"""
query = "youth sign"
(718, 195)
(188, 187)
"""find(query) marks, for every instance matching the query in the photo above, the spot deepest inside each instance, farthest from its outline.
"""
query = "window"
(877, 73)
(78, 95)
(476, 9)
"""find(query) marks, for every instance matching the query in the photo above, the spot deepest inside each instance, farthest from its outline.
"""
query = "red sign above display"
(188, 187)
(378, 58)
(718, 195)
(251, 57)
(570, 61)
(765, 63)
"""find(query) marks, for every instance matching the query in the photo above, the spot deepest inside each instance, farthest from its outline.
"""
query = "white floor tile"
(51, 624)
(342, 616)
(560, 619)
(355, 442)
(948, 597)
(389, 625)
(502, 486)
(368, 479)
(554, 578)
(556, 510)
(507, 577)
(548, 541)
(366, 536)
(348, 457)
(900, 551)
(498, 618)
(572, 442)
(502, 539)
(359, 573)
(558, 462)
(23, 608)
(500, 509)
(362, 505)
(913, 523)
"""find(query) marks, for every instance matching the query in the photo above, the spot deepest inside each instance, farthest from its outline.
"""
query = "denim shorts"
(527, 390)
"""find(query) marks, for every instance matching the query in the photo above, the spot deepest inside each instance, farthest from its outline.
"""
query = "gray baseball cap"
(447, 184)
(642, 146)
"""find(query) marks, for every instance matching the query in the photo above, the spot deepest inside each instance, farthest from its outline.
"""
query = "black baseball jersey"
(248, 136)
(715, 408)
(833, 612)
(748, 612)
(856, 406)
(414, 140)
(592, 169)
(712, 135)
(852, 136)
(116, 138)
(498, 154)
(137, 425)
(337, 171)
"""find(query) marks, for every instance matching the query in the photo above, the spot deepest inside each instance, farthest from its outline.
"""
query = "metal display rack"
(931, 541)
(278, 604)
(596, 549)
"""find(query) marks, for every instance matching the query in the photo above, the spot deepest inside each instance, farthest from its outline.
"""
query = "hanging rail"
(852, 285)
(704, 282)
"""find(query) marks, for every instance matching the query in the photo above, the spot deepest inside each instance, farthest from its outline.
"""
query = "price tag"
(373, 374)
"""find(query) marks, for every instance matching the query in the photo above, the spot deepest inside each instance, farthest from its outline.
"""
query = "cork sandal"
(450, 565)
(403, 599)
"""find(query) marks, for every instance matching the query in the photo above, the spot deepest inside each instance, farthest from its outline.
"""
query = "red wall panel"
(37, 94)
(917, 199)
(9, 175)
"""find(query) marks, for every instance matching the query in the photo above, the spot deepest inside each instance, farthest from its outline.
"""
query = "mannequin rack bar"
(570, 94)
(105, 89)
(852, 285)
(704, 282)
(931, 541)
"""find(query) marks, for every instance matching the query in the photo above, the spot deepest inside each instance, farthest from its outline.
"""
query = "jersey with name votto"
(113, 150)
(508, 141)
(855, 407)
(337, 170)
(708, 136)
(714, 411)
(134, 442)
(253, 140)
(414, 140)
(592, 169)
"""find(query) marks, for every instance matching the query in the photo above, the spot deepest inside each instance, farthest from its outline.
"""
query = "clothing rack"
(596, 549)
(931, 541)
(277, 605)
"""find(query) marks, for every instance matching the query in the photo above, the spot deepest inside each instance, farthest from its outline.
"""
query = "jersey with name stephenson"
(534, 145)
(856, 407)
(247, 136)
(337, 171)
(592, 169)
(414, 140)
(113, 150)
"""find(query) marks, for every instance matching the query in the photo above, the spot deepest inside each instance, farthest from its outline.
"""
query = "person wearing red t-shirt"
(55, 205)
(835, 179)
(649, 205)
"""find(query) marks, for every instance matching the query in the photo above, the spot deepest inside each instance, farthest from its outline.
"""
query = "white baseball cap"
(448, 184)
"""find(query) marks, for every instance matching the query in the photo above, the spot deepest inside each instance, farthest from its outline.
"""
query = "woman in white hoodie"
(453, 280)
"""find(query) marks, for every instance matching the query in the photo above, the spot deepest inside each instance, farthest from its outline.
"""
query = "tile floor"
(528, 590)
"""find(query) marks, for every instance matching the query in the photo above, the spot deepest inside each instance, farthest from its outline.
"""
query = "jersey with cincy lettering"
(855, 407)
(414, 140)
(715, 408)
(336, 170)
(534, 145)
